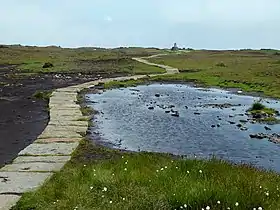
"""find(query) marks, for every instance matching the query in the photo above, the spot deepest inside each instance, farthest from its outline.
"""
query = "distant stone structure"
(175, 47)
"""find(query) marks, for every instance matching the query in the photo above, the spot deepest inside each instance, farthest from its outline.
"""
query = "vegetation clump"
(261, 113)
(47, 65)
(44, 95)
(221, 64)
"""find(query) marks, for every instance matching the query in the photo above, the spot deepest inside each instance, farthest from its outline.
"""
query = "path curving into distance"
(53, 148)
(169, 69)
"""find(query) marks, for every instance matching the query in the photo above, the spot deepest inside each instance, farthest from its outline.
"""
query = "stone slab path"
(53, 148)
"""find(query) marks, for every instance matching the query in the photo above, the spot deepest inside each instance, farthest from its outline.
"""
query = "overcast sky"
(207, 24)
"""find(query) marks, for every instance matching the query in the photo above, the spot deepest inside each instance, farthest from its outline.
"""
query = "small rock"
(267, 128)
(239, 125)
(197, 113)
(167, 111)
(218, 125)
(186, 107)
(157, 95)
(176, 114)
(231, 122)
(231, 115)
(213, 126)
(150, 107)
(243, 121)
(244, 128)
(258, 136)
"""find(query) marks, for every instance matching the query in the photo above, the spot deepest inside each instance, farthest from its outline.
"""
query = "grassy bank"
(100, 178)
(85, 60)
(252, 71)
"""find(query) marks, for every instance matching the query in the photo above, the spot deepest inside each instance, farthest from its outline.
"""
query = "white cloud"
(108, 19)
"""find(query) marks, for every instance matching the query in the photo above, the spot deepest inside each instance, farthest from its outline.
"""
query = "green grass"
(152, 181)
(252, 71)
(86, 60)
(44, 95)
(257, 106)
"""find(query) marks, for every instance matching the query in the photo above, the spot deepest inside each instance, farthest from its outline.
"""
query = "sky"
(199, 24)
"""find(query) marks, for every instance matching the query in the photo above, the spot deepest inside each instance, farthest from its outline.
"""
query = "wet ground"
(184, 120)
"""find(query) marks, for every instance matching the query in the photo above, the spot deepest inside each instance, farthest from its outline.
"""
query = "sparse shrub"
(48, 65)
(257, 106)
(44, 95)
(221, 64)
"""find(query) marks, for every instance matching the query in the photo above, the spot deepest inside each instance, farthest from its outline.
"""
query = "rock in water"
(176, 114)
(267, 128)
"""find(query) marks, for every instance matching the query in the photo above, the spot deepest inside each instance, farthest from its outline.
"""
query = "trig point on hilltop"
(175, 47)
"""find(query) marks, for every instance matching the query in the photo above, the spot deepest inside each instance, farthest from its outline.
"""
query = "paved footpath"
(53, 148)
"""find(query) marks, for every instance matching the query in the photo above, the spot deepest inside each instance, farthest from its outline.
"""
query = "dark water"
(126, 122)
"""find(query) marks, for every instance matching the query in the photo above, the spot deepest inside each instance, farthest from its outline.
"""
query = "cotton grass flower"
(218, 202)
(188, 172)
(123, 199)
(91, 187)
(200, 171)
(165, 167)
(105, 189)
(207, 208)
(236, 204)
(125, 169)
(162, 169)
(267, 193)
(111, 202)
(185, 205)
(260, 208)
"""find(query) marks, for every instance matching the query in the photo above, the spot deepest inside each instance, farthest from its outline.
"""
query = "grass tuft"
(257, 106)
(44, 95)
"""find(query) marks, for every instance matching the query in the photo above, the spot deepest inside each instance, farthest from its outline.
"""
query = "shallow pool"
(139, 119)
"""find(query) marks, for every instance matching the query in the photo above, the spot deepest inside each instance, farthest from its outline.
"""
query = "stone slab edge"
(57, 101)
